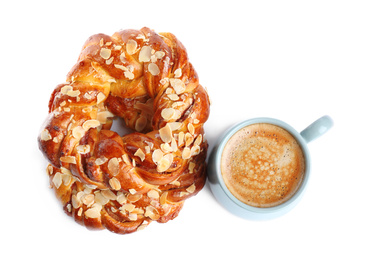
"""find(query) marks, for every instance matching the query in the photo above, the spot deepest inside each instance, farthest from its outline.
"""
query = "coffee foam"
(262, 165)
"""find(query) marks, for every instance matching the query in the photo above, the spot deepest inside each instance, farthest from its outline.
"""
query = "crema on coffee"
(262, 165)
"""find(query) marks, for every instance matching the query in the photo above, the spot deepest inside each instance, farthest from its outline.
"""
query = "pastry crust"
(123, 183)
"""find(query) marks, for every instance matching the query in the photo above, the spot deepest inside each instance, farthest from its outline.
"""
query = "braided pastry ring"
(123, 183)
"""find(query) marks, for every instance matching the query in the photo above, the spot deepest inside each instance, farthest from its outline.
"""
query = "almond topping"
(153, 194)
(94, 211)
(178, 73)
(139, 153)
(157, 156)
(186, 154)
(165, 162)
(168, 113)
(191, 167)
(78, 132)
(178, 85)
(189, 139)
(152, 213)
(57, 180)
(115, 184)
(45, 135)
(141, 123)
(108, 194)
(68, 159)
(145, 54)
(113, 166)
(103, 116)
(191, 188)
(191, 128)
(100, 97)
(195, 150)
(100, 161)
(129, 75)
(83, 149)
(105, 53)
(153, 69)
(175, 125)
(131, 47)
(92, 123)
(166, 133)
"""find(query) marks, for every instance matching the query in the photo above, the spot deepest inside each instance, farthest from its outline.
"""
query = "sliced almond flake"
(57, 180)
(178, 73)
(174, 145)
(139, 153)
(159, 54)
(191, 128)
(68, 207)
(109, 61)
(134, 197)
(105, 53)
(157, 155)
(66, 179)
(100, 97)
(121, 198)
(191, 167)
(133, 163)
(147, 149)
(83, 149)
(153, 69)
(152, 213)
(178, 104)
(191, 188)
(132, 191)
(175, 125)
(186, 154)
(100, 198)
(80, 212)
(175, 182)
(196, 121)
(49, 170)
(141, 123)
(166, 147)
(129, 75)
(126, 159)
(63, 103)
(115, 184)
(100, 161)
(103, 116)
(93, 212)
(108, 194)
(178, 85)
(67, 109)
(173, 97)
(145, 54)
(78, 132)
(117, 47)
(183, 193)
(169, 91)
(166, 133)
(108, 43)
(163, 198)
(198, 140)
(131, 47)
(75, 201)
(127, 207)
(88, 199)
(164, 81)
(101, 42)
(45, 135)
(121, 67)
(168, 113)
(122, 58)
(68, 159)
(132, 216)
(181, 138)
(113, 166)
(65, 89)
(188, 139)
(153, 194)
(165, 162)
(195, 150)
(92, 123)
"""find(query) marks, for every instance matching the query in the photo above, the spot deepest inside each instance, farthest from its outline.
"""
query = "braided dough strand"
(123, 183)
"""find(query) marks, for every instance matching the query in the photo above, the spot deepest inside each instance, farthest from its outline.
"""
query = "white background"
(292, 60)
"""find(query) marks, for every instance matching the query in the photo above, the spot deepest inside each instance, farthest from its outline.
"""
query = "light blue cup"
(235, 206)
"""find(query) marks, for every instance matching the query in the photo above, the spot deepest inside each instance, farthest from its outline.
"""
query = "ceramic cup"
(234, 205)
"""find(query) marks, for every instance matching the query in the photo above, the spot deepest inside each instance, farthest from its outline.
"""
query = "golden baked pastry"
(123, 183)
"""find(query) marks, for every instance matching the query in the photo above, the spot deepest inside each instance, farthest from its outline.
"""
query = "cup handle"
(317, 128)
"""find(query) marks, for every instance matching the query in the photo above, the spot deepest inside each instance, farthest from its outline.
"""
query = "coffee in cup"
(262, 165)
